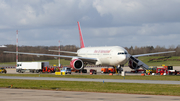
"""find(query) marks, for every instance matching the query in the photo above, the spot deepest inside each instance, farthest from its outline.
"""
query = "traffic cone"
(110, 73)
(142, 74)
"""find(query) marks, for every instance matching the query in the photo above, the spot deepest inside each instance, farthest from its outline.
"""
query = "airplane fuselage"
(109, 55)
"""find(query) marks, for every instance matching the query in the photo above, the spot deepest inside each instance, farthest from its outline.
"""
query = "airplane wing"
(139, 55)
(85, 59)
(68, 52)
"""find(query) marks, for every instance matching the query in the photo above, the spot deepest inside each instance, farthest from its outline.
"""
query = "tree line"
(4, 57)
(44, 49)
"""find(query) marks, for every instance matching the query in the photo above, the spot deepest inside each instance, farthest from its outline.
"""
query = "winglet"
(81, 38)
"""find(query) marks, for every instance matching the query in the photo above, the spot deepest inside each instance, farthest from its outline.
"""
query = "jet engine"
(133, 65)
(77, 64)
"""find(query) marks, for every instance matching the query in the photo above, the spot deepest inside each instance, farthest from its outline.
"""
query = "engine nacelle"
(133, 65)
(77, 64)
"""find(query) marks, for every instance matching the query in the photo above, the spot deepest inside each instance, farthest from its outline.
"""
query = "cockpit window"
(122, 53)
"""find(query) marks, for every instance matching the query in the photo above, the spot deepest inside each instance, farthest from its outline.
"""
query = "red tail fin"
(81, 38)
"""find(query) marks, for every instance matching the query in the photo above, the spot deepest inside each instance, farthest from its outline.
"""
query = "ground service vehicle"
(57, 69)
(34, 67)
(112, 70)
(104, 70)
(93, 71)
(151, 69)
(67, 70)
(2, 70)
(165, 70)
(161, 71)
(108, 70)
(48, 70)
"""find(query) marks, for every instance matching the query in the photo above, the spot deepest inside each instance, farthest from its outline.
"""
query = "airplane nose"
(125, 58)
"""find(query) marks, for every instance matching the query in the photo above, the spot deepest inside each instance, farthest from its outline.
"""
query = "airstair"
(139, 63)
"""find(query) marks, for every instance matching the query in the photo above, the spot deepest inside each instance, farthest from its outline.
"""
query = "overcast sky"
(103, 22)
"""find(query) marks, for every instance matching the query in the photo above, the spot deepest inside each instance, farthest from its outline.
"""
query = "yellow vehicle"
(151, 69)
(2, 70)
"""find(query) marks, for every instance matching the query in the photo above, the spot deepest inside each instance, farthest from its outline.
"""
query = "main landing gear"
(119, 69)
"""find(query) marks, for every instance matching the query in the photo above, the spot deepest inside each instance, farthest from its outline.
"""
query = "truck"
(33, 67)
(168, 70)
(67, 70)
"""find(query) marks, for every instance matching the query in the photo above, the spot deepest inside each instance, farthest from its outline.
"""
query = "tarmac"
(93, 80)
(8, 94)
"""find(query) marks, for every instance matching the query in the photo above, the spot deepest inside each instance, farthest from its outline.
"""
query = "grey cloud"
(103, 22)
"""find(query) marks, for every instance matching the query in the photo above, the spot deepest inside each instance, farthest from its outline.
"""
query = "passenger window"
(122, 53)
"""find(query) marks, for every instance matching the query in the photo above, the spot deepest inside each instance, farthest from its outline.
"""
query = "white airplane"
(108, 56)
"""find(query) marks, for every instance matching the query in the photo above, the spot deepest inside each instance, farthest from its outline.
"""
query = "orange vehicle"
(111, 70)
(104, 70)
(108, 70)
(48, 70)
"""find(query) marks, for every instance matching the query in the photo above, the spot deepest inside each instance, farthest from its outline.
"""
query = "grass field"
(171, 62)
(131, 88)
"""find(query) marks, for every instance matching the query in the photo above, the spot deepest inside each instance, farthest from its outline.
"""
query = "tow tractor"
(66, 70)
(109, 70)
(2, 70)
(151, 69)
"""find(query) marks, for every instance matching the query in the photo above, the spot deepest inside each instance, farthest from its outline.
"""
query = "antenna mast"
(16, 47)
(59, 54)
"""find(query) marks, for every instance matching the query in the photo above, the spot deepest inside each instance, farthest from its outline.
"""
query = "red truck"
(168, 70)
